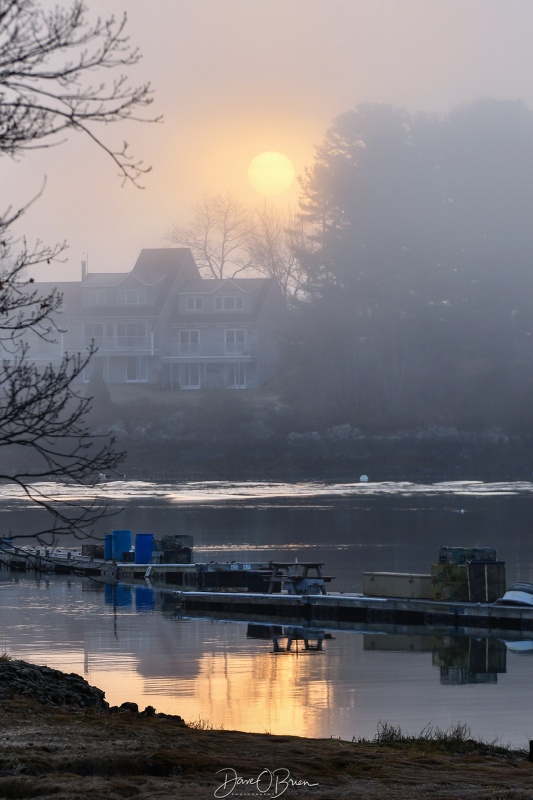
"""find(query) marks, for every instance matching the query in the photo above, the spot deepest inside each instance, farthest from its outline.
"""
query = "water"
(135, 644)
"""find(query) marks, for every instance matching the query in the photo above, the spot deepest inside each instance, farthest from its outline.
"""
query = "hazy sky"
(237, 77)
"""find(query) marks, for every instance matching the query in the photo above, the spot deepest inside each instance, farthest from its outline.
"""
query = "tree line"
(407, 268)
(419, 268)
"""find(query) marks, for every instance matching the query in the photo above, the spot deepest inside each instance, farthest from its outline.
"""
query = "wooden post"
(531, 749)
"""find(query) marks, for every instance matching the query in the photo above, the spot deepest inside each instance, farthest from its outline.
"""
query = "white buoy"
(363, 478)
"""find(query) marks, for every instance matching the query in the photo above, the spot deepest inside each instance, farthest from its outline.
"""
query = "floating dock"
(268, 592)
(349, 610)
(64, 561)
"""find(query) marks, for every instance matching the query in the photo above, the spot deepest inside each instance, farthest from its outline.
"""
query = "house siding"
(162, 324)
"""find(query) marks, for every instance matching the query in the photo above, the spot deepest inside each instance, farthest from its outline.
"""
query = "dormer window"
(97, 297)
(131, 297)
(229, 302)
(194, 303)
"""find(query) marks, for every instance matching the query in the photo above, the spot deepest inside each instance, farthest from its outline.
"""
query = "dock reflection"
(460, 659)
(287, 638)
(279, 675)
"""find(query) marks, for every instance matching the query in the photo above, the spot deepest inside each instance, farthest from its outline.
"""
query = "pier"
(291, 593)
(346, 611)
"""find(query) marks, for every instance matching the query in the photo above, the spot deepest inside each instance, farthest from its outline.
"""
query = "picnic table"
(297, 577)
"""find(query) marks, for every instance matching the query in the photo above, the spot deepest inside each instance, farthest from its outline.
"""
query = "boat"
(518, 594)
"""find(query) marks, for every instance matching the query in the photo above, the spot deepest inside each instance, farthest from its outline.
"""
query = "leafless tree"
(48, 60)
(218, 236)
(275, 240)
(227, 238)
(44, 430)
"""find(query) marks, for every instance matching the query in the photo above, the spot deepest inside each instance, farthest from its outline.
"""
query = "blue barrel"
(108, 547)
(144, 599)
(123, 595)
(144, 544)
(119, 595)
(121, 543)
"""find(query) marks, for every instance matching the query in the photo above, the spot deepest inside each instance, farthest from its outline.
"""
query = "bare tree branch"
(45, 61)
(218, 236)
(48, 62)
(274, 242)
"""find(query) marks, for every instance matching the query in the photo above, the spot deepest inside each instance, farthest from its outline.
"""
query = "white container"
(397, 584)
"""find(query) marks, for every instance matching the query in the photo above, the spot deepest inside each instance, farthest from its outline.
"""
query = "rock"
(341, 432)
(48, 686)
(19, 679)
(129, 707)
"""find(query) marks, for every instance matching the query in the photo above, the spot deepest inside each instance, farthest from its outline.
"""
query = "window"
(131, 297)
(235, 340)
(194, 303)
(131, 328)
(131, 334)
(190, 376)
(97, 297)
(136, 369)
(189, 341)
(236, 376)
(93, 330)
(229, 302)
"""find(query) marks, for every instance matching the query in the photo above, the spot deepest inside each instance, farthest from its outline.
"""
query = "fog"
(233, 78)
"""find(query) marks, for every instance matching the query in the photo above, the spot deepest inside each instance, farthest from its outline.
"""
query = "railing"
(142, 344)
(214, 349)
(107, 344)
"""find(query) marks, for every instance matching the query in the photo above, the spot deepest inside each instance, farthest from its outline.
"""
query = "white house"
(163, 324)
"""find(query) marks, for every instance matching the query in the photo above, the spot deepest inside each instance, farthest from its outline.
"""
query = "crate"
(486, 581)
(449, 573)
(460, 555)
(474, 582)
(450, 592)
(92, 550)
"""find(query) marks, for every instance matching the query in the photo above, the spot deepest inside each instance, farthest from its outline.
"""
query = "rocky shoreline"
(60, 740)
(342, 452)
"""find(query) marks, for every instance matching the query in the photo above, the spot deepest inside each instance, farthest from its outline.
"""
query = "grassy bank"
(54, 751)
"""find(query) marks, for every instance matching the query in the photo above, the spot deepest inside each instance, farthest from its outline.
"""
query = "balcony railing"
(214, 349)
(110, 344)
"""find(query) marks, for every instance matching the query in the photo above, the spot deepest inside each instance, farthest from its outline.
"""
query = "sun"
(271, 173)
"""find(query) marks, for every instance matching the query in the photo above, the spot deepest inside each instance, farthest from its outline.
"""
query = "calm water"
(135, 645)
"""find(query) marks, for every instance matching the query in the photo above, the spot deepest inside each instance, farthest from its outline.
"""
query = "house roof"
(258, 287)
(212, 286)
(162, 265)
(69, 289)
(102, 279)
(156, 262)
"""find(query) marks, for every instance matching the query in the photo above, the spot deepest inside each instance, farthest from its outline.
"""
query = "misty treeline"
(60, 71)
(418, 271)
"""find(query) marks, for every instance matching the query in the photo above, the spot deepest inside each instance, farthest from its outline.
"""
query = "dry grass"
(54, 754)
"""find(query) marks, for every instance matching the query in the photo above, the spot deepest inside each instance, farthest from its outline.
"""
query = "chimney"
(83, 270)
